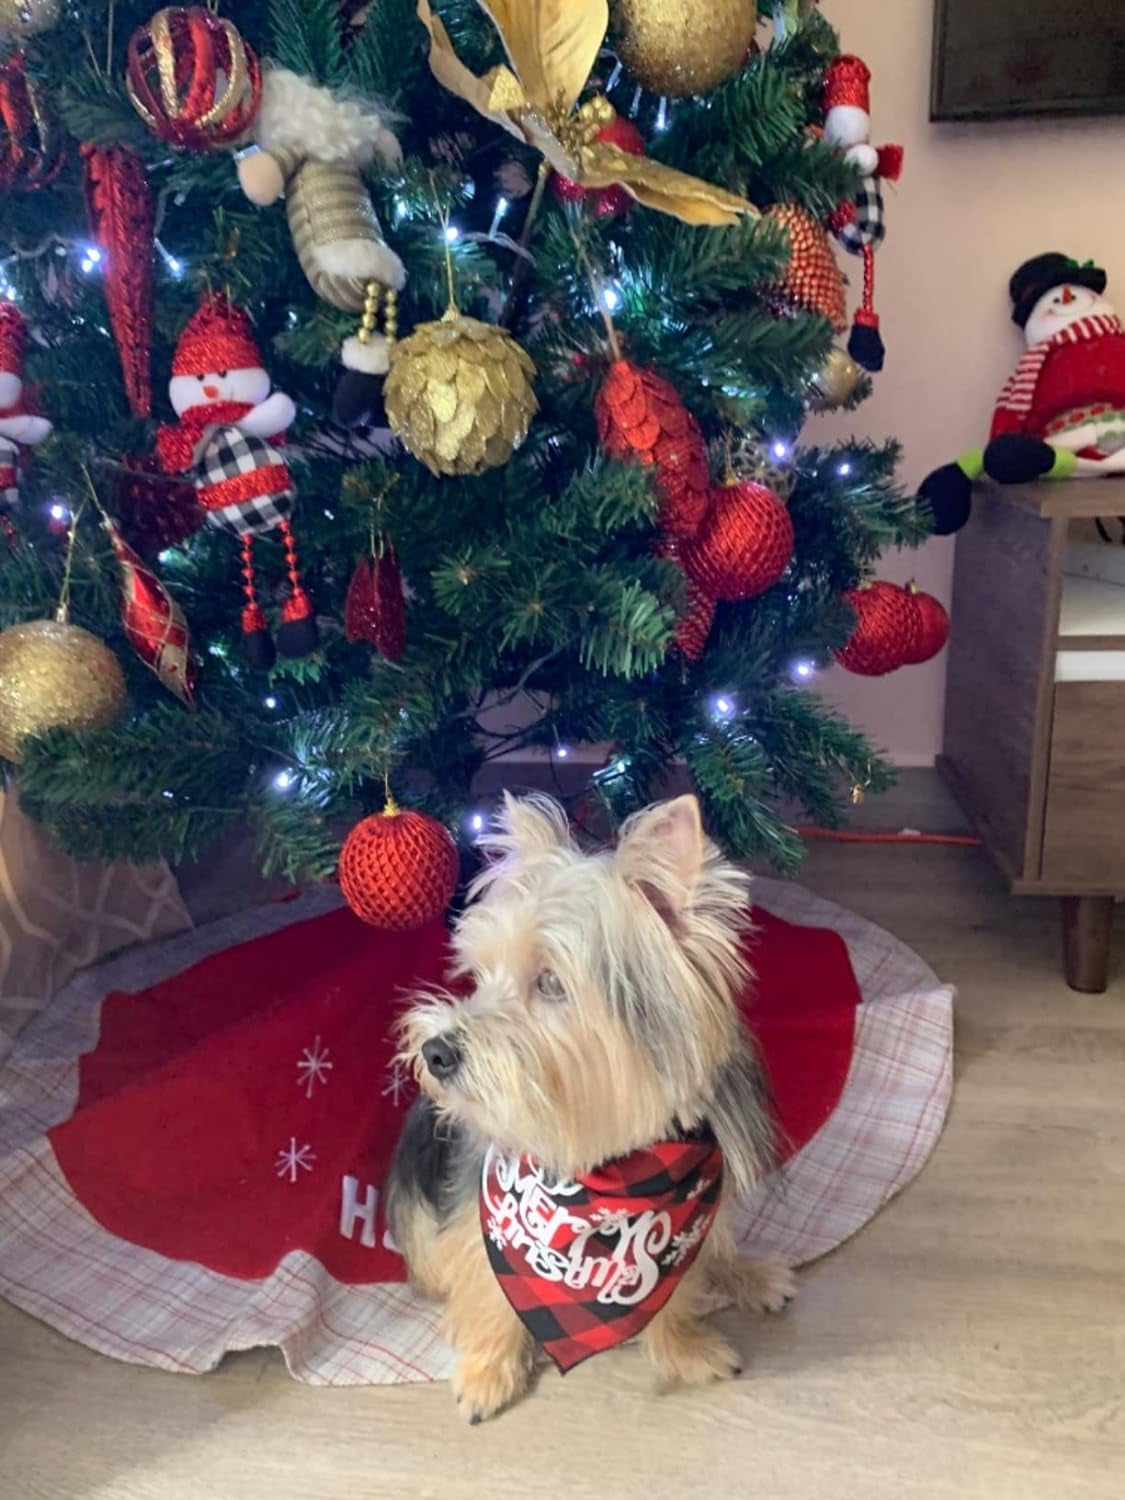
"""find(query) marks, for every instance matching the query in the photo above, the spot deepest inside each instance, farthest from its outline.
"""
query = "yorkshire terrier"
(590, 1102)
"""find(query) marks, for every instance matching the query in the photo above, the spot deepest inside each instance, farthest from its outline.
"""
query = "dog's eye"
(549, 986)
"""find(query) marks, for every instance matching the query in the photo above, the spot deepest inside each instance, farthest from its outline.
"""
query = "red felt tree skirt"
(194, 1138)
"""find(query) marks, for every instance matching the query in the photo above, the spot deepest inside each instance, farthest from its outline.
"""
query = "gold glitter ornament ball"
(834, 384)
(459, 395)
(55, 676)
(683, 47)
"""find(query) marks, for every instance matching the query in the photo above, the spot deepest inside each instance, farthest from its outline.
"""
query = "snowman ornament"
(1062, 410)
(18, 427)
(229, 425)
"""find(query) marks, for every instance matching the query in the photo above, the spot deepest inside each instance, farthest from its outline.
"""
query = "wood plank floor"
(970, 1343)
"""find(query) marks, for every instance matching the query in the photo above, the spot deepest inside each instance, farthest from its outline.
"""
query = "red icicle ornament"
(154, 622)
(123, 226)
(375, 609)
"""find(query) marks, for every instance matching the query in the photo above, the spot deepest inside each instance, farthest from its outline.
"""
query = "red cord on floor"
(906, 836)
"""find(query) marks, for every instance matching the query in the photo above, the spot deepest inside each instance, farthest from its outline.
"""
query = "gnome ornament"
(226, 437)
(860, 224)
(19, 428)
(1062, 411)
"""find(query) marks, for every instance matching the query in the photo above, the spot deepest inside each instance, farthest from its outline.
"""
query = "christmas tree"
(577, 511)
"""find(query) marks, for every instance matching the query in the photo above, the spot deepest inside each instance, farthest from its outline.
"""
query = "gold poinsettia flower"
(552, 46)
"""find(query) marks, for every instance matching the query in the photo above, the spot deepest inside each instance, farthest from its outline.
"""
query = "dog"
(598, 1028)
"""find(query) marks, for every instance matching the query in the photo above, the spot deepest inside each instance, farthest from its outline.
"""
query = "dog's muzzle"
(442, 1056)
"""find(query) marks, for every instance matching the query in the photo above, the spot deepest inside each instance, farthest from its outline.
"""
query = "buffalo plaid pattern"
(867, 228)
(230, 465)
(588, 1264)
(60, 1265)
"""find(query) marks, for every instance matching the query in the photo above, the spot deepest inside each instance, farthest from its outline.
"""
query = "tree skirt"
(194, 1136)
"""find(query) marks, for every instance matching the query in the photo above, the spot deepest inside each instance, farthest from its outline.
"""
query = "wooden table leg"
(1087, 928)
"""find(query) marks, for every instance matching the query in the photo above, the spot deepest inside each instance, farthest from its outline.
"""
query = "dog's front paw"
(484, 1387)
(761, 1285)
(698, 1359)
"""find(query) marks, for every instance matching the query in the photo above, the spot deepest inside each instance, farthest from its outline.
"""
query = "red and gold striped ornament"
(32, 142)
(812, 281)
(399, 869)
(888, 632)
(192, 79)
(154, 622)
(640, 415)
(744, 545)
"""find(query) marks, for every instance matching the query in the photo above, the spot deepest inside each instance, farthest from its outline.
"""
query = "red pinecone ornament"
(888, 630)
(933, 622)
(398, 870)
(693, 628)
(640, 415)
(744, 545)
(605, 202)
(123, 225)
(812, 281)
(155, 510)
(375, 609)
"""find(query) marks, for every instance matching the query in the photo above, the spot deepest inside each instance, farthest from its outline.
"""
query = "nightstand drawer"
(1084, 826)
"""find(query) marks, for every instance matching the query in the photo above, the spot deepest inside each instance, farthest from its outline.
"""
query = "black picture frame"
(942, 108)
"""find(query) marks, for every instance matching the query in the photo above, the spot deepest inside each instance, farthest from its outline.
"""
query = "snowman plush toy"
(1062, 411)
(226, 439)
(18, 428)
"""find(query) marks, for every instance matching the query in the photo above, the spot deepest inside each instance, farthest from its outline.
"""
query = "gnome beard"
(226, 437)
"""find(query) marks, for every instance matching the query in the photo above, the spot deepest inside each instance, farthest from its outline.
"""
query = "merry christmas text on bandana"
(587, 1264)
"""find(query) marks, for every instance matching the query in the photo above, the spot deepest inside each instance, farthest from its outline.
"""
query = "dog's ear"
(531, 825)
(661, 852)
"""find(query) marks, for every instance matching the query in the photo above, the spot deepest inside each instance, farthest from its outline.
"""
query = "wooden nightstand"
(1035, 712)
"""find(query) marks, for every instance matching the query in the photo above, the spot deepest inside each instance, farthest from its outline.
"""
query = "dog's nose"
(443, 1057)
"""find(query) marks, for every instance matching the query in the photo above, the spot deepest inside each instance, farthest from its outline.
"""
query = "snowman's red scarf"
(1018, 396)
(176, 445)
(587, 1264)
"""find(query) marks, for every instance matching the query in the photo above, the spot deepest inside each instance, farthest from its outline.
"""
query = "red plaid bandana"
(588, 1264)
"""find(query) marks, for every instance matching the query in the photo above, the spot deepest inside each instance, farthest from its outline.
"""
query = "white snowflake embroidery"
(684, 1243)
(610, 1221)
(294, 1159)
(700, 1187)
(397, 1084)
(496, 1233)
(313, 1068)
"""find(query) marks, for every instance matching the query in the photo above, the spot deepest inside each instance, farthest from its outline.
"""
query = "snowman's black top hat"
(1042, 272)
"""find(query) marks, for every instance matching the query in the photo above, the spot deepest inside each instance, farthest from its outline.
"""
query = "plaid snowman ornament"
(227, 436)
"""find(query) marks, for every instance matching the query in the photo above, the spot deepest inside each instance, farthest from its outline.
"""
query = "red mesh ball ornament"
(744, 545)
(812, 281)
(640, 416)
(192, 79)
(933, 621)
(398, 870)
(888, 630)
(610, 201)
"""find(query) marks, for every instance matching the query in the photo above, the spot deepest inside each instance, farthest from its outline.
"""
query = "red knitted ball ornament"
(887, 633)
(611, 200)
(744, 545)
(398, 870)
(640, 416)
(933, 622)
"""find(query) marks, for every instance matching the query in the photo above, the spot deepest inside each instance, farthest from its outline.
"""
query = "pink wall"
(974, 201)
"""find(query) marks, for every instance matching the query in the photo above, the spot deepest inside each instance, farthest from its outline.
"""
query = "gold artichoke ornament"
(459, 395)
(552, 46)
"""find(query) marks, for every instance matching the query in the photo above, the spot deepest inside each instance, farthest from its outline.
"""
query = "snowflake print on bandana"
(294, 1159)
(314, 1067)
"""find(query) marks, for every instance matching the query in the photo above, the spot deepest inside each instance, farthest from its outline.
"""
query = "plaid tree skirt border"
(59, 1264)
